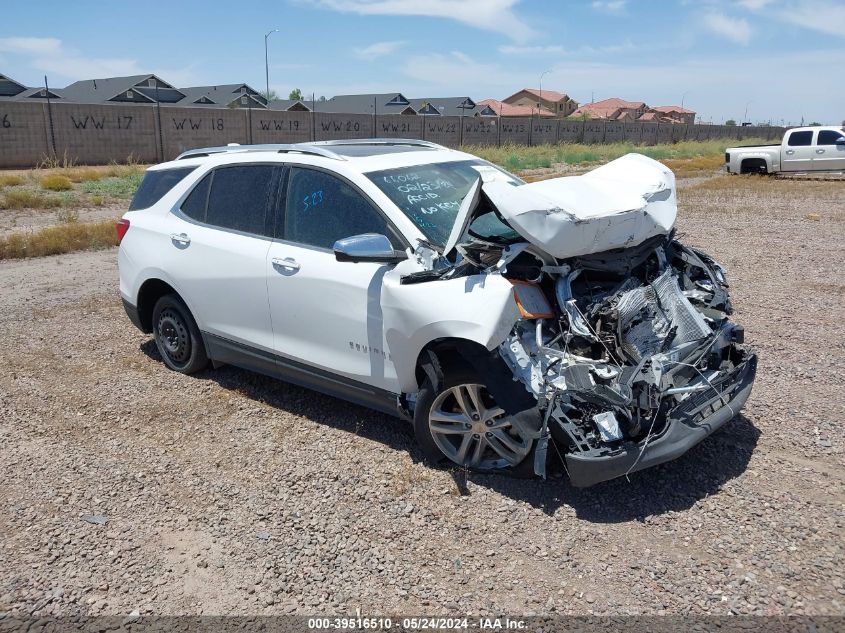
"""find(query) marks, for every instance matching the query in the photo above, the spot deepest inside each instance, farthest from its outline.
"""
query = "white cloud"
(613, 7)
(583, 51)
(31, 45)
(49, 55)
(489, 15)
(817, 15)
(553, 49)
(460, 73)
(377, 49)
(754, 5)
(734, 29)
(824, 16)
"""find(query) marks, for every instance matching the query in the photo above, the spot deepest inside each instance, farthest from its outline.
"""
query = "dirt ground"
(22, 220)
(230, 493)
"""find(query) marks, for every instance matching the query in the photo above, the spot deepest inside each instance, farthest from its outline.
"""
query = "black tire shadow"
(670, 487)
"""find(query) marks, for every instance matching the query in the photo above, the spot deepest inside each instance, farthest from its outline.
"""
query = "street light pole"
(267, 63)
(683, 96)
(544, 73)
(745, 116)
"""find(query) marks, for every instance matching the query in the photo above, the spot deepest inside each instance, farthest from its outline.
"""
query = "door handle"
(819, 151)
(181, 238)
(790, 152)
(288, 262)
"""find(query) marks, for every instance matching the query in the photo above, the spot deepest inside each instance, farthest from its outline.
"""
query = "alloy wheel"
(471, 430)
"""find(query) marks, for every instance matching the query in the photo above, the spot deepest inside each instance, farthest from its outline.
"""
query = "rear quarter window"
(155, 185)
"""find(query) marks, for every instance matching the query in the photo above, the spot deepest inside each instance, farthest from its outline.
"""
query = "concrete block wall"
(24, 134)
(188, 128)
(399, 126)
(98, 134)
(91, 134)
(479, 131)
(514, 131)
(268, 126)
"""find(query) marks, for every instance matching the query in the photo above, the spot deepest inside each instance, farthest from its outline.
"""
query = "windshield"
(430, 195)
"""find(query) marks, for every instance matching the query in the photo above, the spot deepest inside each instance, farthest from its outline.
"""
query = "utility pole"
(267, 62)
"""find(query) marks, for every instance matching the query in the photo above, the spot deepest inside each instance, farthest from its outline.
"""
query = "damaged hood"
(617, 205)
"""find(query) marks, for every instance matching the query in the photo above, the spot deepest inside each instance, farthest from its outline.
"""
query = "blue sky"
(782, 59)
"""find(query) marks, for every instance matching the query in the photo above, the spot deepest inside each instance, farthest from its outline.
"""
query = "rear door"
(218, 247)
(829, 155)
(798, 151)
(327, 314)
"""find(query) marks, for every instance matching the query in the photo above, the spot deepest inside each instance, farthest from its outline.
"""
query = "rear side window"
(234, 198)
(828, 137)
(800, 139)
(239, 198)
(155, 184)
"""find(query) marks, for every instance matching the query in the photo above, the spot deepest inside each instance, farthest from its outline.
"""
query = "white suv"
(519, 326)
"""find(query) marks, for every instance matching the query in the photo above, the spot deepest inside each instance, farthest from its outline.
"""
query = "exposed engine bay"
(631, 340)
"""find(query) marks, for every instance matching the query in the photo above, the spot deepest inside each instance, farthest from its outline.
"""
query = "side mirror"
(369, 247)
(840, 140)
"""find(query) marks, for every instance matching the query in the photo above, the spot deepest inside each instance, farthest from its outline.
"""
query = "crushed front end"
(632, 358)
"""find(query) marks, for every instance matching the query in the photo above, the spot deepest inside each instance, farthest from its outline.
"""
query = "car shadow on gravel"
(671, 487)
(313, 405)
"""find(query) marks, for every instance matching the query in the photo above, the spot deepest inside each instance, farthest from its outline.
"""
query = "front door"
(327, 314)
(829, 151)
(798, 151)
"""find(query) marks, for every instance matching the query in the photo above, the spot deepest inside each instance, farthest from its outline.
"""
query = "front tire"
(459, 422)
(177, 336)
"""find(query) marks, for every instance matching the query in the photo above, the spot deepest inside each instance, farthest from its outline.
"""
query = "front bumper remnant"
(687, 425)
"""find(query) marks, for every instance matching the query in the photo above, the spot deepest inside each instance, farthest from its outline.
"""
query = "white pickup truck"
(803, 149)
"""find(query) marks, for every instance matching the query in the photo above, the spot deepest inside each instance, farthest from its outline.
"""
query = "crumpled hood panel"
(622, 203)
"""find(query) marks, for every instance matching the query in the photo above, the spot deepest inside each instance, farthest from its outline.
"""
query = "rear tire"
(460, 424)
(177, 336)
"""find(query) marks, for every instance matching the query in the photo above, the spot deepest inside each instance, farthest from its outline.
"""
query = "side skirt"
(222, 350)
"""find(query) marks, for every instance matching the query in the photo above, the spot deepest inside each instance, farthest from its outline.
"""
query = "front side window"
(801, 139)
(829, 137)
(321, 209)
(155, 184)
(431, 195)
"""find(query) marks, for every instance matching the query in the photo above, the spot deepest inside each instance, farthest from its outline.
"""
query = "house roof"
(9, 87)
(393, 103)
(508, 109)
(670, 108)
(548, 95)
(444, 106)
(607, 108)
(384, 103)
(106, 89)
(221, 95)
(36, 93)
(289, 104)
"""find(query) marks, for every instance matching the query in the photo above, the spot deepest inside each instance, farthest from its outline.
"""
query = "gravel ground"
(230, 493)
